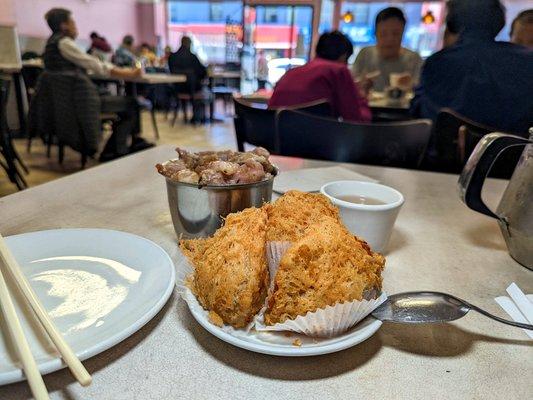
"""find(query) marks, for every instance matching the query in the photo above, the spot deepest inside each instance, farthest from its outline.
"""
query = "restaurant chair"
(225, 94)
(453, 139)
(255, 124)
(66, 111)
(396, 144)
(9, 158)
(223, 87)
(30, 74)
(186, 95)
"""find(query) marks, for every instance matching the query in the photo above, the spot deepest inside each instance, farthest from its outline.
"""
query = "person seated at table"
(387, 56)
(62, 54)
(99, 47)
(262, 70)
(522, 29)
(124, 56)
(163, 61)
(147, 55)
(325, 77)
(486, 81)
(184, 61)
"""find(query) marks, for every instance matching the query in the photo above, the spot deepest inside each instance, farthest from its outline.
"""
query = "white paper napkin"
(518, 306)
(312, 179)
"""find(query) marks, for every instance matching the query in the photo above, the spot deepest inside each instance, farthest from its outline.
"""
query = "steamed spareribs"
(230, 271)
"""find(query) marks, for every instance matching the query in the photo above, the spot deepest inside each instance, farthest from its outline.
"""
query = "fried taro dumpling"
(294, 212)
(326, 266)
(230, 270)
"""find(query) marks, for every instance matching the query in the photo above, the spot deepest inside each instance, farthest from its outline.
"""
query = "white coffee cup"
(370, 222)
(396, 77)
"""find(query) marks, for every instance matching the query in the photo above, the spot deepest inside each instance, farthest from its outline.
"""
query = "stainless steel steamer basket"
(197, 211)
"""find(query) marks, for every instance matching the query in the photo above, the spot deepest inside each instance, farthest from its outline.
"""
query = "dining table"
(380, 100)
(437, 244)
(129, 82)
(384, 109)
(146, 78)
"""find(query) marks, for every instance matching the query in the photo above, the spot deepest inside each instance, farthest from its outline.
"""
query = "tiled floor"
(42, 169)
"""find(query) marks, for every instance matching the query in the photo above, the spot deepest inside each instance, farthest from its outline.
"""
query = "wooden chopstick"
(74, 364)
(21, 344)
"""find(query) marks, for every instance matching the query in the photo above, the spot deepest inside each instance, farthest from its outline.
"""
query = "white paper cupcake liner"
(325, 322)
(274, 253)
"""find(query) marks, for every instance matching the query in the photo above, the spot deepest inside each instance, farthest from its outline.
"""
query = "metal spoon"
(424, 307)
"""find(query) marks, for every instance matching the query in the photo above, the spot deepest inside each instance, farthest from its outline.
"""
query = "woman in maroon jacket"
(325, 77)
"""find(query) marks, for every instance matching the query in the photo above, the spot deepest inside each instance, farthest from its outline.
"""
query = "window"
(216, 12)
(212, 25)
(271, 15)
(326, 16)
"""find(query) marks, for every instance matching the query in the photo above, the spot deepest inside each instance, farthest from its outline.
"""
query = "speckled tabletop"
(438, 244)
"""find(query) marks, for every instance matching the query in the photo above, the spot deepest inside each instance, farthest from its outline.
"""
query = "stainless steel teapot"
(515, 211)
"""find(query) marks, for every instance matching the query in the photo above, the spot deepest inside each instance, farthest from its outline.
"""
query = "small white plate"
(273, 343)
(99, 286)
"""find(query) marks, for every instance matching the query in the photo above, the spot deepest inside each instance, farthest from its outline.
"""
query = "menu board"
(9, 48)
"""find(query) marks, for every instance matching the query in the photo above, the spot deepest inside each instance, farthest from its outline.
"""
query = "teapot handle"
(478, 166)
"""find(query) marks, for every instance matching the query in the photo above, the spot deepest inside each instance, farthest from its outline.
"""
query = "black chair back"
(189, 86)
(256, 124)
(398, 144)
(454, 137)
(320, 108)
(9, 158)
(30, 75)
(4, 94)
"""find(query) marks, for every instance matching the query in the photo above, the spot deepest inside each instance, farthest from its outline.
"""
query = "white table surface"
(225, 74)
(33, 62)
(152, 79)
(438, 244)
(10, 68)
(155, 78)
(381, 100)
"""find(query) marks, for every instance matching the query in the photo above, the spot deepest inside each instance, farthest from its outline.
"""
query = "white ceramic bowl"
(373, 223)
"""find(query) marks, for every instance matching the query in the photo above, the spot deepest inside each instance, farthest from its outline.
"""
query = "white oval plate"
(273, 343)
(99, 286)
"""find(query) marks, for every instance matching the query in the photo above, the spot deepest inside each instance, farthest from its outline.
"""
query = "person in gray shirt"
(374, 64)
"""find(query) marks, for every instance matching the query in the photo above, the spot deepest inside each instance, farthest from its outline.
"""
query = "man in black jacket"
(184, 61)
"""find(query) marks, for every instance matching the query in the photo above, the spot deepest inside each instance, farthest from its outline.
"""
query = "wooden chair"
(398, 144)
(256, 124)
(454, 137)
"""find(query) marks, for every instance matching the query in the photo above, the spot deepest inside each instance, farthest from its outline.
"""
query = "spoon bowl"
(420, 307)
(430, 307)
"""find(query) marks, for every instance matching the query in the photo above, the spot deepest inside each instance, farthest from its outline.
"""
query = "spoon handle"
(494, 317)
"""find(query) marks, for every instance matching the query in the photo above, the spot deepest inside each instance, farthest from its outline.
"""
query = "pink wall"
(110, 18)
(7, 12)
(146, 21)
(152, 18)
